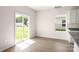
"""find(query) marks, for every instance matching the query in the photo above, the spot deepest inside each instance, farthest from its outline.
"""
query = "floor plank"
(41, 45)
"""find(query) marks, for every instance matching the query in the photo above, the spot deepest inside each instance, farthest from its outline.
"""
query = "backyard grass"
(22, 33)
(60, 30)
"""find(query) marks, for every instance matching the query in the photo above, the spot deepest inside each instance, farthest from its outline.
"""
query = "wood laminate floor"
(41, 45)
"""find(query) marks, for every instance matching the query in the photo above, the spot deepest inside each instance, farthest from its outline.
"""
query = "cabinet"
(77, 19)
(74, 16)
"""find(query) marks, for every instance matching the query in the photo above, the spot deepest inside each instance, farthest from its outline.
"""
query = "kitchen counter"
(74, 29)
(75, 37)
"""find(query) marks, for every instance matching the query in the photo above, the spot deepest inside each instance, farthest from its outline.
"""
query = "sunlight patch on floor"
(25, 44)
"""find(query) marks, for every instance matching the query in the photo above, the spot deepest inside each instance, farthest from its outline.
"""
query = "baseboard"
(51, 38)
(7, 48)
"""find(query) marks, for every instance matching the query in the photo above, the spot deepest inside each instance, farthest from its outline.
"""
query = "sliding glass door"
(22, 31)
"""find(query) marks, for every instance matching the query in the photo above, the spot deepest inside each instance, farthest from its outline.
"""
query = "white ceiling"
(37, 8)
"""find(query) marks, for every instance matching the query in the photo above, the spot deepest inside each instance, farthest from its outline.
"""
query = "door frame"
(22, 13)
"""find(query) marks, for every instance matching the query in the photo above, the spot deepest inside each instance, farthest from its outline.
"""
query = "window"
(60, 23)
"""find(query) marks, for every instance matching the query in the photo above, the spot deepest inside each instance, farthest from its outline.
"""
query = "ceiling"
(38, 8)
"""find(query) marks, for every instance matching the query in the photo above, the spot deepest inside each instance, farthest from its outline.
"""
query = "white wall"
(7, 24)
(46, 23)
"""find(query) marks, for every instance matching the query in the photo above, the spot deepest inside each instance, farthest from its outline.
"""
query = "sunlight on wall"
(25, 44)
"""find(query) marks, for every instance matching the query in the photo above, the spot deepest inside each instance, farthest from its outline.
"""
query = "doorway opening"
(21, 28)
